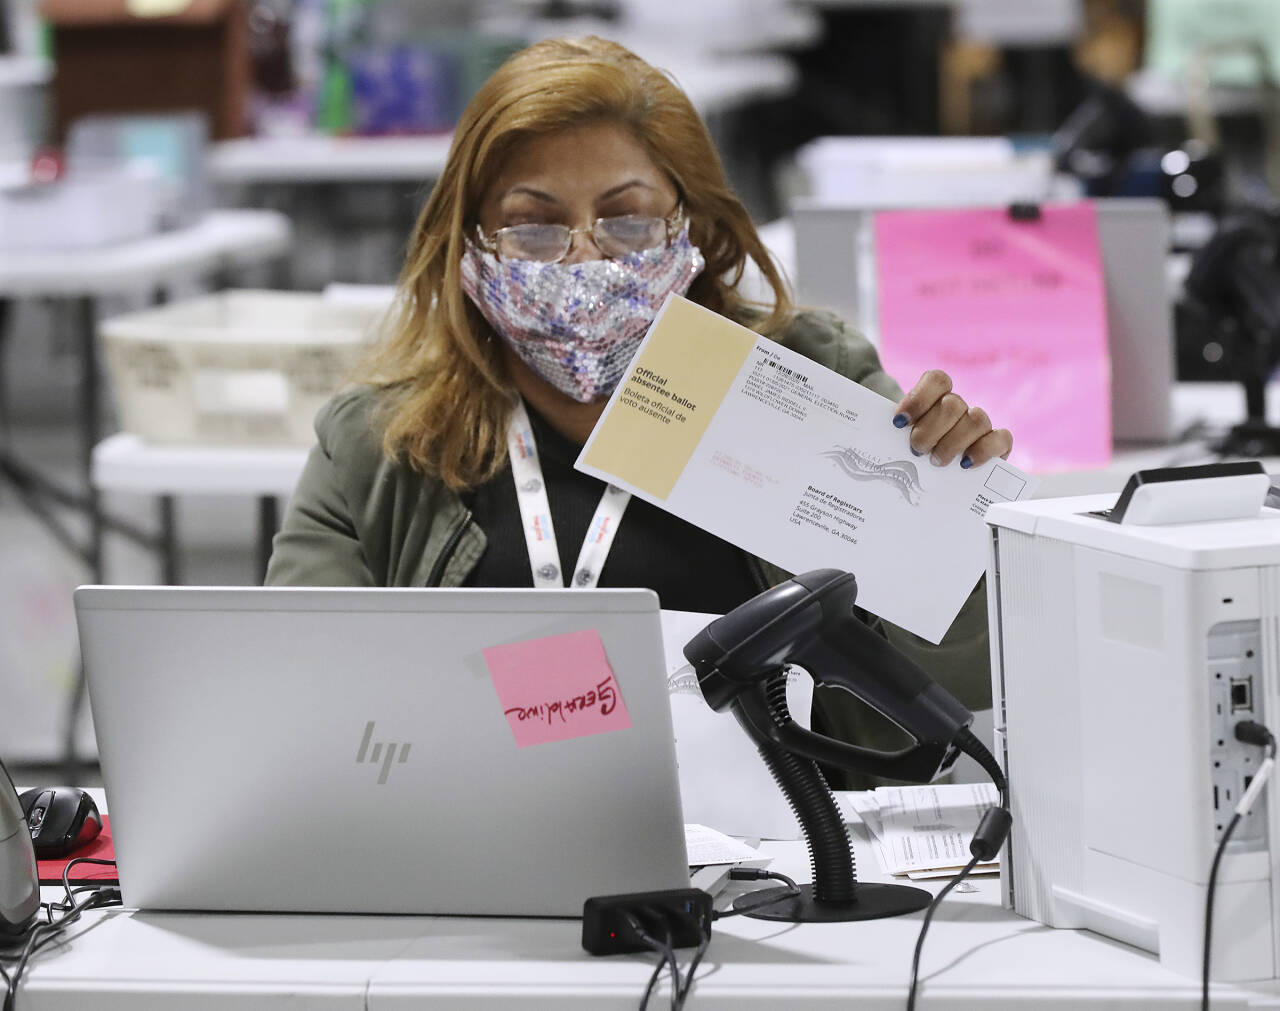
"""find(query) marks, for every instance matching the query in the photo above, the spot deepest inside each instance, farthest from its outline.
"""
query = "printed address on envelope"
(796, 464)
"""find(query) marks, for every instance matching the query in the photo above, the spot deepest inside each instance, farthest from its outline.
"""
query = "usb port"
(1241, 694)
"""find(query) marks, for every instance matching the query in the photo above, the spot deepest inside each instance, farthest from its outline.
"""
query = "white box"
(1116, 651)
(236, 368)
(902, 172)
(81, 210)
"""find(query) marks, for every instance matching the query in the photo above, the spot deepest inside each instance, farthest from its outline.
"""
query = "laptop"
(426, 751)
(835, 268)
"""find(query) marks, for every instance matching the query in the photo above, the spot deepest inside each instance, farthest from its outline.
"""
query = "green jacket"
(357, 518)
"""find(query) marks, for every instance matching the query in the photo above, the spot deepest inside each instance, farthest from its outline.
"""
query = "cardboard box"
(189, 55)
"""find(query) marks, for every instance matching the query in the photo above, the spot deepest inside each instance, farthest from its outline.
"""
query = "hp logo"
(375, 751)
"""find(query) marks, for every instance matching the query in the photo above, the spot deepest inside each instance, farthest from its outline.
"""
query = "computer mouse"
(61, 819)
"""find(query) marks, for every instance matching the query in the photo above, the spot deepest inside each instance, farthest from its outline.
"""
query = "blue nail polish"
(900, 420)
(966, 463)
(914, 451)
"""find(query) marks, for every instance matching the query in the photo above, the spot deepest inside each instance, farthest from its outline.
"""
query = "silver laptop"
(835, 268)
(361, 751)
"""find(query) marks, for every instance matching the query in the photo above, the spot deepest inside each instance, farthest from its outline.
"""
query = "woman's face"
(573, 177)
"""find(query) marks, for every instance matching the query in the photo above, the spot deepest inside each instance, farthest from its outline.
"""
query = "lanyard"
(535, 514)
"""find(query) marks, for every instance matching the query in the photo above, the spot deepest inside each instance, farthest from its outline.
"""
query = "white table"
(977, 956)
(222, 240)
(319, 158)
(124, 463)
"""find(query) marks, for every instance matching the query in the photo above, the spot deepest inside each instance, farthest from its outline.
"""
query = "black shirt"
(690, 569)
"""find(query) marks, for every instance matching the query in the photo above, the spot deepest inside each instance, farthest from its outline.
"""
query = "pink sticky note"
(556, 688)
(1014, 312)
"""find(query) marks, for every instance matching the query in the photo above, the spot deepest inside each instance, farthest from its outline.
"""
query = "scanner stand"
(741, 661)
(835, 895)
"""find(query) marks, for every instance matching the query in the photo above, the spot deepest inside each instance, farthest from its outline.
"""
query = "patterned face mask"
(577, 325)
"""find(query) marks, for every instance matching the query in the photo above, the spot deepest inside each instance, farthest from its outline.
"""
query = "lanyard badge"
(535, 515)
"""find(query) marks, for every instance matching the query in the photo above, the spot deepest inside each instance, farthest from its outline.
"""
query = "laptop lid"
(381, 750)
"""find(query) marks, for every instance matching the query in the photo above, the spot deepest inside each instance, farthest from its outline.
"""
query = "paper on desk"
(724, 782)
(923, 831)
(797, 464)
(707, 846)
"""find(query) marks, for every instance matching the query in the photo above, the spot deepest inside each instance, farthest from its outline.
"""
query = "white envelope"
(793, 462)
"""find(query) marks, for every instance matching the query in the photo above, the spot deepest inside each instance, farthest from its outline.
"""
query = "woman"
(581, 189)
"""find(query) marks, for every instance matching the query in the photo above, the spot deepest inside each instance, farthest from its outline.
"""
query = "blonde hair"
(447, 397)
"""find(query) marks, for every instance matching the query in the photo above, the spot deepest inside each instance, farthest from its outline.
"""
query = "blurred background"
(203, 201)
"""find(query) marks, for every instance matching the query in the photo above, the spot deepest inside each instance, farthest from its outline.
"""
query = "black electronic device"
(1100, 136)
(809, 621)
(609, 922)
(61, 819)
(19, 882)
(1235, 284)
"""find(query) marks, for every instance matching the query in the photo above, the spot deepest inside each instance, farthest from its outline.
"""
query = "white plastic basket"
(237, 368)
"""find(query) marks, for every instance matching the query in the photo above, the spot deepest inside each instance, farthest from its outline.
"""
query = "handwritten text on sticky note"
(557, 688)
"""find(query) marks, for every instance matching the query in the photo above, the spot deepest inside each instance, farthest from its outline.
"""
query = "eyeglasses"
(616, 236)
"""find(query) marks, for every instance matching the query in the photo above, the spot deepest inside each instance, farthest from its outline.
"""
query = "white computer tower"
(1122, 656)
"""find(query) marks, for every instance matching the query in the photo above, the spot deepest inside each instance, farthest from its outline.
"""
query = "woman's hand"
(944, 427)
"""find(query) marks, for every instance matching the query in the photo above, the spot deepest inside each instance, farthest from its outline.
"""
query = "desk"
(222, 240)
(319, 158)
(977, 955)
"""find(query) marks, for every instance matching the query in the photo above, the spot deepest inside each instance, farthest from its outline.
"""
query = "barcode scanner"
(809, 622)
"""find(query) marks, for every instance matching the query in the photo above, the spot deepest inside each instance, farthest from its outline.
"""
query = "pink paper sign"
(1014, 311)
(556, 688)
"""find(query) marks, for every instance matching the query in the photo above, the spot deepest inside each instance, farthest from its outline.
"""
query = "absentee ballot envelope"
(795, 463)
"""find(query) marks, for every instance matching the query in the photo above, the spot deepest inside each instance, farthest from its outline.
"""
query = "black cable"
(658, 966)
(758, 874)
(1208, 909)
(670, 954)
(968, 742)
(737, 874)
(667, 958)
(66, 873)
(1250, 733)
(693, 967)
(928, 915)
(45, 933)
(990, 835)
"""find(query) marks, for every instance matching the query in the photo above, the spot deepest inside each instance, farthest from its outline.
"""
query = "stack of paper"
(707, 846)
(923, 831)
